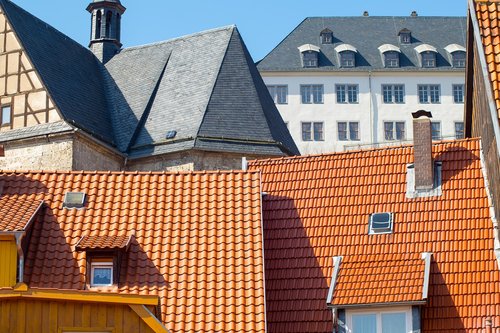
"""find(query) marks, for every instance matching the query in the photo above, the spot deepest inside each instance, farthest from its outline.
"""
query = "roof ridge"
(374, 149)
(141, 173)
(392, 16)
(196, 34)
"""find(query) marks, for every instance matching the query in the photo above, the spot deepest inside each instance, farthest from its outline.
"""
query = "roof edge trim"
(455, 48)
(336, 269)
(345, 47)
(427, 257)
(425, 48)
(485, 72)
(148, 318)
(388, 47)
(308, 47)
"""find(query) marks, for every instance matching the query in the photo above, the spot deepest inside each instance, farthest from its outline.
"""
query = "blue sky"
(263, 24)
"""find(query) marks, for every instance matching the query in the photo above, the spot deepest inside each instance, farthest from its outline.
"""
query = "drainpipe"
(20, 254)
(374, 140)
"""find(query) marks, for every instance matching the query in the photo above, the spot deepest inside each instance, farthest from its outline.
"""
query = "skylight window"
(380, 223)
(74, 200)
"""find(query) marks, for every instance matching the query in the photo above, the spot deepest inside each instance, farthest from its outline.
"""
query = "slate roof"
(488, 19)
(203, 86)
(318, 207)
(197, 240)
(367, 34)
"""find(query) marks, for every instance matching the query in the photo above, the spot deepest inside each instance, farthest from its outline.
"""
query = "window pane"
(306, 92)
(317, 94)
(352, 92)
(6, 115)
(459, 59)
(354, 131)
(364, 323)
(347, 59)
(342, 129)
(435, 93)
(391, 59)
(399, 93)
(306, 131)
(458, 93)
(459, 130)
(394, 322)
(318, 132)
(310, 59)
(272, 92)
(400, 131)
(388, 131)
(436, 130)
(428, 59)
(282, 94)
(423, 95)
(340, 94)
(387, 92)
(102, 276)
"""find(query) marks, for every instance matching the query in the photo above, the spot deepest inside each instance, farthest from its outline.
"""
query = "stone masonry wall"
(87, 155)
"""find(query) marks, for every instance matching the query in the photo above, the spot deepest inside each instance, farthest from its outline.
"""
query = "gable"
(20, 84)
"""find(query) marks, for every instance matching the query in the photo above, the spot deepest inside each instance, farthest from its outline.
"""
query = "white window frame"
(458, 90)
(343, 92)
(394, 130)
(312, 131)
(392, 88)
(372, 231)
(274, 91)
(348, 131)
(101, 264)
(6, 113)
(428, 89)
(463, 130)
(436, 138)
(309, 91)
(378, 312)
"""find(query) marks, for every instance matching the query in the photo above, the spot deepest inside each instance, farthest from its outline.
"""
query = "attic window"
(309, 54)
(171, 135)
(101, 272)
(405, 36)
(347, 59)
(458, 59)
(428, 59)
(391, 59)
(74, 200)
(380, 223)
(326, 36)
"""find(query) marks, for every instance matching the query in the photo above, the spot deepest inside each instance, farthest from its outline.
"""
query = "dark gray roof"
(35, 131)
(366, 34)
(70, 72)
(204, 86)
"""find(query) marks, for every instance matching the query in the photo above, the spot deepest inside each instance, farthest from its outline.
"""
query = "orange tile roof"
(488, 16)
(17, 211)
(198, 240)
(90, 242)
(318, 207)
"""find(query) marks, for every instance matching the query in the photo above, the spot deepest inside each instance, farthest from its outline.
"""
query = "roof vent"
(380, 223)
(74, 200)
(365, 13)
(171, 135)
(414, 14)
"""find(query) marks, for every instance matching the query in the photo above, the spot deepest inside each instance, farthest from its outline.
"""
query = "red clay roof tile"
(103, 242)
(17, 211)
(198, 240)
(318, 207)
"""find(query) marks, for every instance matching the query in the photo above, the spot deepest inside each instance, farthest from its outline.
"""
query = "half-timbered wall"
(20, 85)
(39, 316)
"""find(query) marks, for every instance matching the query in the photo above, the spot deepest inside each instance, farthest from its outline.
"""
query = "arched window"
(98, 24)
(109, 17)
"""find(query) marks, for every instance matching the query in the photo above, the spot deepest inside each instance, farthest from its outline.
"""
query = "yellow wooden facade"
(49, 316)
(8, 262)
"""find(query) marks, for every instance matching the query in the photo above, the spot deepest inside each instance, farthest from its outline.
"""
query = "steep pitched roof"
(17, 212)
(197, 240)
(70, 72)
(318, 207)
(203, 86)
(367, 34)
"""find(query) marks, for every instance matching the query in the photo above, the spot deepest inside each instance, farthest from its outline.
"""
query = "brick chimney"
(422, 137)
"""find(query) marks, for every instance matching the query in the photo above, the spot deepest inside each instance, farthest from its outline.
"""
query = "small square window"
(380, 223)
(326, 37)
(347, 59)
(74, 200)
(312, 131)
(6, 115)
(348, 131)
(394, 131)
(101, 273)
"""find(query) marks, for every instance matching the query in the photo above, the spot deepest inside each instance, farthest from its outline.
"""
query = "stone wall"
(88, 155)
(191, 161)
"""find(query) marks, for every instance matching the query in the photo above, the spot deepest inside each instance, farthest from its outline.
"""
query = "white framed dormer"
(427, 55)
(457, 55)
(347, 55)
(378, 320)
(309, 55)
(390, 55)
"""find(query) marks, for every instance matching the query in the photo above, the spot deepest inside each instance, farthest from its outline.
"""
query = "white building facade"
(332, 104)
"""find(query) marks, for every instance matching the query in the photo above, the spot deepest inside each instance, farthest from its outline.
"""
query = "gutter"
(373, 305)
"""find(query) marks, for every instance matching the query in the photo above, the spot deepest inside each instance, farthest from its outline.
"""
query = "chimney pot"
(414, 14)
(365, 13)
(423, 162)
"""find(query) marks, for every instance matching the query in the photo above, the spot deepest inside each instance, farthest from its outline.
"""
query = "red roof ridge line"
(131, 173)
(405, 145)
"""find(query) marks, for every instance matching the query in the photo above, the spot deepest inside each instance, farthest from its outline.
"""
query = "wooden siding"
(20, 84)
(30, 316)
(8, 263)
(482, 126)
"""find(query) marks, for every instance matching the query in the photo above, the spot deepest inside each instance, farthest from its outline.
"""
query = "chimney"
(422, 138)
(414, 14)
(365, 13)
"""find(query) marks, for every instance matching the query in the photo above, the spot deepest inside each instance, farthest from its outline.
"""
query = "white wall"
(371, 112)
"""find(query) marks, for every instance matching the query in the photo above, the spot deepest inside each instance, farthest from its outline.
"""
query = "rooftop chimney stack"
(414, 14)
(365, 13)
(422, 137)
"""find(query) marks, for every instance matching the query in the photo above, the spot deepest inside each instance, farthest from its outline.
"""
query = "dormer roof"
(388, 47)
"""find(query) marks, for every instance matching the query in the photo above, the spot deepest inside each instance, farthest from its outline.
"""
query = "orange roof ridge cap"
(139, 173)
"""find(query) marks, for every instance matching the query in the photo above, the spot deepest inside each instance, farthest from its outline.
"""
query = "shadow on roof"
(455, 160)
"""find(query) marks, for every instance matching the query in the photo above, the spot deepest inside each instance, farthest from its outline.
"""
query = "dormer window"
(405, 36)
(427, 55)
(457, 55)
(380, 223)
(104, 256)
(390, 54)
(347, 55)
(309, 54)
(326, 36)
